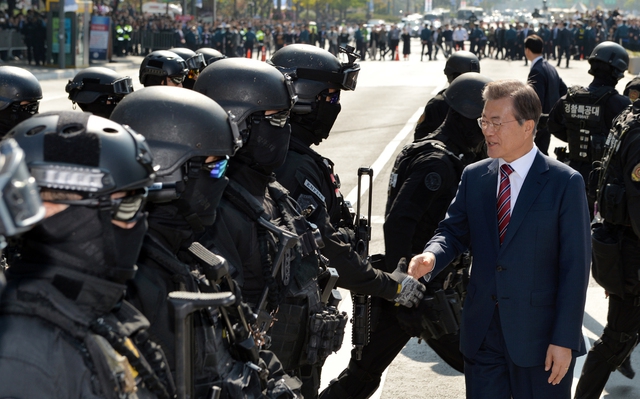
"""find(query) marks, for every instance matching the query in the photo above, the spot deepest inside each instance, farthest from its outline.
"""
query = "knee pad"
(615, 346)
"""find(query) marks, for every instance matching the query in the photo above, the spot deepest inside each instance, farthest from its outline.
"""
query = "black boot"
(625, 368)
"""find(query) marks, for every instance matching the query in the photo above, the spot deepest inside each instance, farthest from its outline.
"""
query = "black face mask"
(267, 146)
(99, 108)
(9, 119)
(321, 119)
(85, 239)
(203, 195)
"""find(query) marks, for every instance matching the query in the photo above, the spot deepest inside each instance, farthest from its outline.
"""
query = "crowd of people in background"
(572, 37)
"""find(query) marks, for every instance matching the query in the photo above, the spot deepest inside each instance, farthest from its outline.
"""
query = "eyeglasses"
(279, 119)
(217, 169)
(31, 108)
(484, 124)
(177, 79)
(333, 98)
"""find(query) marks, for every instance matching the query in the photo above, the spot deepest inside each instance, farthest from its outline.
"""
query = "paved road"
(376, 121)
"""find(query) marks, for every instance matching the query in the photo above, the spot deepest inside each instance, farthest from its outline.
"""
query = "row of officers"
(170, 261)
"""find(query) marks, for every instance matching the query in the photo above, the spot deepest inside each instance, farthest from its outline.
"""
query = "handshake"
(410, 290)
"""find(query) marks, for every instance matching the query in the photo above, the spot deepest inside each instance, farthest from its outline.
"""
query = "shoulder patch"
(433, 181)
(635, 174)
(314, 190)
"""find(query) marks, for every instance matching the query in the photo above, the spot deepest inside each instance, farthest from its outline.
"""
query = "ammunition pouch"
(612, 203)
(326, 333)
(288, 334)
(438, 314)
(606, 268)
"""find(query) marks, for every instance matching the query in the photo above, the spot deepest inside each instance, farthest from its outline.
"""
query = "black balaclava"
(315, 126)
(203, 195)
(266, 147)
(85, 239)
(463, 132)
(9, 119)
(99, 107)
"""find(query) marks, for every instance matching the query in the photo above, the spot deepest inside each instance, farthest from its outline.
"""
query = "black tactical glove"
(410, 290)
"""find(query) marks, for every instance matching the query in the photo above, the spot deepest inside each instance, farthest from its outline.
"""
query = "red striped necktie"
(504, 200)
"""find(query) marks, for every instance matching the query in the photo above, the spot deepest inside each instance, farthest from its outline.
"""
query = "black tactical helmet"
(461, 62)
(210, 55)
(633, 85)
(178, 125)
(84, 153)
(244, 86)
(94, 82)
(612, 54)
(162, 64)
(315, 70)
(16, 85)
(464, 94)
(195, 61)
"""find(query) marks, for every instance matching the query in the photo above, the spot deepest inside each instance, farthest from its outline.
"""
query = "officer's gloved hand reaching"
(411, 290)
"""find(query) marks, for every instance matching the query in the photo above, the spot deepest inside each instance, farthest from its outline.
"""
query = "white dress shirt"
(521, 168)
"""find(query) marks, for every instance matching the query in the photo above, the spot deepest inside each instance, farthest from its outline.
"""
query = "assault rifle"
(361, 319)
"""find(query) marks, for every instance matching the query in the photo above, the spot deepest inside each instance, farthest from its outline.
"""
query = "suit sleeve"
(538, 81)
(573, 263)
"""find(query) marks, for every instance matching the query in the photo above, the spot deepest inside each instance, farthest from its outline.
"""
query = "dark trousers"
(566, 51)
(613, 347)
(492, 373)
(362, 377)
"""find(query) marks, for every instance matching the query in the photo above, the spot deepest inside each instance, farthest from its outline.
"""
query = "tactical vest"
(405, 159)
(611, 193)
(117, 362)
(306, 330)
(586, 128)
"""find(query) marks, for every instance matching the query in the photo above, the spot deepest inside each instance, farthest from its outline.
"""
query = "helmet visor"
(196, 62)
(123, 86)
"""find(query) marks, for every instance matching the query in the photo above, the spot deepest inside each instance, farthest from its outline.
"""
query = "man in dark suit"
(522, 317)
(565, 39)
(548, 86)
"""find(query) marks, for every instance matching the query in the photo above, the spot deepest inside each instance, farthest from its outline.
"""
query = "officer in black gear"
(632, 89)
(423, 182)
(163, 68)
(192, 138)
(616, 252)
(210, 55)
(583, 117)
(98, 90)
(436, 109)
(195, 64)
(20, 95)
(318, 78)
(20, 205)
(65, 327)
(271, 248)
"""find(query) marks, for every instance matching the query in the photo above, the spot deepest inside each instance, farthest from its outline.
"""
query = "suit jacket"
(538, 276)
(565, 37)
(548, 85)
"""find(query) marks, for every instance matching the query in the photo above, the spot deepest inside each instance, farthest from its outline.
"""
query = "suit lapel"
(533, 185)
(489, 184)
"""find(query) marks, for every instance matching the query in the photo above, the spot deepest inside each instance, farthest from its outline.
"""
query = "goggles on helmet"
(122, 86)
(218, 168)
(195, 62)
(125, 209)
(31, 108)
(21, 206)
(346, 78)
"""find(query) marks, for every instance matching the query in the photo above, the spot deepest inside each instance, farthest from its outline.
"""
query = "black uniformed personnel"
(583, 117)
(64, 326)
(20, 95)
(163, 68)
(258, 223)
(192, 138)
(319, 77)
(616, 252)
(436, 109)
(423, 182)
(98, 90)
(195, 63)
